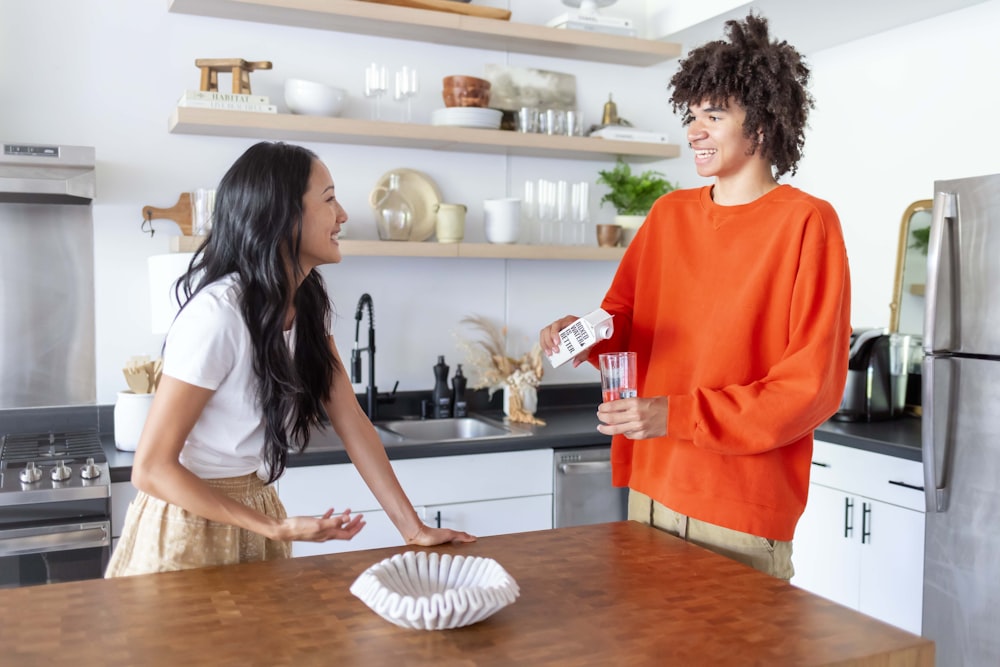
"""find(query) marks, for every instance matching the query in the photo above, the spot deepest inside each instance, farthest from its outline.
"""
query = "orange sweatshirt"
(740, 315)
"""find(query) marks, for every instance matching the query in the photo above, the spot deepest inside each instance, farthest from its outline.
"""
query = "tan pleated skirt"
(160, 537)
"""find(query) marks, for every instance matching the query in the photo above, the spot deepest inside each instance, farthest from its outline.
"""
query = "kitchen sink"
(450, 430)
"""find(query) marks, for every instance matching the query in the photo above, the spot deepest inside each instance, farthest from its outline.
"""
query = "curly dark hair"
(766, 78)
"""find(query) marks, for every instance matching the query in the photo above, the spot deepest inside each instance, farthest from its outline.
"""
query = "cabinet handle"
(820, 464)
(437, 518)
(906, 486)
(866, 523)
(848, 516)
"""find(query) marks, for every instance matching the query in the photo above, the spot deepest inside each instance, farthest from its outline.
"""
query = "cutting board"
(450, 6)
(180, 213)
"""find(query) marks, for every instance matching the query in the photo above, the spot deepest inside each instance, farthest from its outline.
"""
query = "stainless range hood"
(40, 174)
(47, 351)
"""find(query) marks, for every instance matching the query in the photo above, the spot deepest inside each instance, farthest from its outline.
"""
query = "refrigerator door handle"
(937, 381)
(939, 322)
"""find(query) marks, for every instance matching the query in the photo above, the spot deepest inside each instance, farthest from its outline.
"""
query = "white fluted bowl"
(430, 591)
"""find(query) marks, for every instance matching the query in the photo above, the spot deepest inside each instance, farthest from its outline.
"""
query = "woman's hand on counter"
(428, 537)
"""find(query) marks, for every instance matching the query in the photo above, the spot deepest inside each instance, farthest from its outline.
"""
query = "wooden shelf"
(370, 248)
(291, 127)
(438, 28)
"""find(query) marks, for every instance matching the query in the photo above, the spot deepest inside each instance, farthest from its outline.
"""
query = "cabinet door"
(892, 564)
(825, 551)
(494, 517)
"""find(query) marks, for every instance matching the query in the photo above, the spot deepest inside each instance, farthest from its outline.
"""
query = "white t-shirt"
(209, 346)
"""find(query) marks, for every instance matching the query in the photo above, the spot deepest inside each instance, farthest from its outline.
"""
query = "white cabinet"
(860, 541)
(484, 494)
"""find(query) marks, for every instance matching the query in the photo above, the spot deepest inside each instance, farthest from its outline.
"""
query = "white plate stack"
(467, 117)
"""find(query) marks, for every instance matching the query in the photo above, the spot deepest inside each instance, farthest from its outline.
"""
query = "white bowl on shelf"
(312, 98)
(430, 591)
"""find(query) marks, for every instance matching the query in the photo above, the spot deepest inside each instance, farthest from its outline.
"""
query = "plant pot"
(629, 224)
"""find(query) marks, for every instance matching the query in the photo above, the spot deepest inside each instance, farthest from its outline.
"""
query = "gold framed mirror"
(906, 312)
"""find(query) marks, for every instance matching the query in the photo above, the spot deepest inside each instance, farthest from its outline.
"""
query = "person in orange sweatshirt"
(736, 298)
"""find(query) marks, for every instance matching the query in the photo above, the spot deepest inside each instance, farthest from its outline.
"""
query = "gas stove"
(52, 466)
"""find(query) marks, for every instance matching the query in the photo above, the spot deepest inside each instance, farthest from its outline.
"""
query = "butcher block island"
(607, 594)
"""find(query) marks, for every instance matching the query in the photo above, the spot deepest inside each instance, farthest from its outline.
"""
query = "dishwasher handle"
(584, 467)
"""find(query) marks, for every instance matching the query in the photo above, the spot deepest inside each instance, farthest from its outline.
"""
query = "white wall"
(108, 73)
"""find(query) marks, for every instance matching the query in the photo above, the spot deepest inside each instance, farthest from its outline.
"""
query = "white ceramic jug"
(502, 220)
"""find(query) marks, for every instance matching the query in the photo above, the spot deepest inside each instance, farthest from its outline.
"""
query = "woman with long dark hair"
(249, 369)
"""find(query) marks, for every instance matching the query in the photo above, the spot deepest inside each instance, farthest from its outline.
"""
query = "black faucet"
(371, 392)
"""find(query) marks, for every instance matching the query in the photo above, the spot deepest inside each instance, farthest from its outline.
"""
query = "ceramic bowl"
(430, 591)
(465, 91)
(314, 99)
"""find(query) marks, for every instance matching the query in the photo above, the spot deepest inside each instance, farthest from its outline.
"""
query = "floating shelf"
(291, 127)
(369, 248)
(437, 28)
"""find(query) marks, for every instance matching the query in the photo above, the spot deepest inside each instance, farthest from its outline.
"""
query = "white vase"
(629, 224)
(529, 399)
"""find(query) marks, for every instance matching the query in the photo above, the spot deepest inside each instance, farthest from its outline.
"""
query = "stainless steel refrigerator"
(961, 424)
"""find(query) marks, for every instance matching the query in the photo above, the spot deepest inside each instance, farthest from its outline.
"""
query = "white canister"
(502, 220)
(130, 416)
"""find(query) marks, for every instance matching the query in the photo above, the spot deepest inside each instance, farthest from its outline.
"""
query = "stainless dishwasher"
(583, 491)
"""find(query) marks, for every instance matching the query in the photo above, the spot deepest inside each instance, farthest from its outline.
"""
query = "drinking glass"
(406, 87)
(618, 375)
(375, 87)
(899, 368)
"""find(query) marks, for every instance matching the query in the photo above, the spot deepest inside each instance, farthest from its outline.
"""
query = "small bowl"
(430, 591)
(465, 91)
(314, 99)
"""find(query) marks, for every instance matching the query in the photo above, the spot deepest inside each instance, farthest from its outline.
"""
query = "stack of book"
(228, 101)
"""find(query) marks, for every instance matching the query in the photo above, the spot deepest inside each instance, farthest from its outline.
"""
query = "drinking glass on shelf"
(375, 87)
(529, 214)
(580, 196)
(406, 87)
(547, 218)
(563, 218)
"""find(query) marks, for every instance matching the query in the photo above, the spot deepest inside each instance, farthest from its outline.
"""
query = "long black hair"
(256, 230)
(767, 78)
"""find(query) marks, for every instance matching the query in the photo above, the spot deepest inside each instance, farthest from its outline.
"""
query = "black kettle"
(868, 392)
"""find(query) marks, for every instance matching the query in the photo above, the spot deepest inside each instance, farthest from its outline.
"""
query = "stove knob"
(61, 472)
(31, 473)
(89, 471)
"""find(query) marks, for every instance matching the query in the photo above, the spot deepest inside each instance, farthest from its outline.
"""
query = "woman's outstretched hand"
(320, 529)
(428, 537)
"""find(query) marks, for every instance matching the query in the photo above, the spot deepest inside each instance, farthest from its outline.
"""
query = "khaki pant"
(160, 537)
(771, 557)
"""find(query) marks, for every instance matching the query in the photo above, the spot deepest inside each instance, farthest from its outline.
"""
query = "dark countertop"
(570, 425)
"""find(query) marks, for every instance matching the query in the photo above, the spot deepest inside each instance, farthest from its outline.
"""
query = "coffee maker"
(868, 393)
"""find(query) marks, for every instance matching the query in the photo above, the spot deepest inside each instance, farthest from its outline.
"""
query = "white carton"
(581, 335)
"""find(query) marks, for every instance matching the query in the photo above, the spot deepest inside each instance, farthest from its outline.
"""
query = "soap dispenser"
(440, 396)
(459, 407)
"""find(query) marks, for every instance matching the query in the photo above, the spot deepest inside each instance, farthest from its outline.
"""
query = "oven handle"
(64, 537)
(584, 467)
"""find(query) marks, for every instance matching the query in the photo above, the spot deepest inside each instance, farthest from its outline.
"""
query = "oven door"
(52, 553)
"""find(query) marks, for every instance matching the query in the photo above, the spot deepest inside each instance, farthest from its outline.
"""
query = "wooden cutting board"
(450, 6)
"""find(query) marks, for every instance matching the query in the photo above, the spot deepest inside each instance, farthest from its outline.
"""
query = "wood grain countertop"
(609, 594)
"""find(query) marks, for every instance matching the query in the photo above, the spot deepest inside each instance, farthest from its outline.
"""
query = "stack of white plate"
(467, 117)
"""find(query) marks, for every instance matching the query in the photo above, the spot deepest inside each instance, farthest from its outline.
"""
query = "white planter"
(629, 224)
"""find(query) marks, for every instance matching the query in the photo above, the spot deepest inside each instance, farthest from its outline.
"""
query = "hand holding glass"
(618, 375)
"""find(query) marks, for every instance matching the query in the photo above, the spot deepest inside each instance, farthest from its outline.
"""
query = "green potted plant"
(632, 194)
